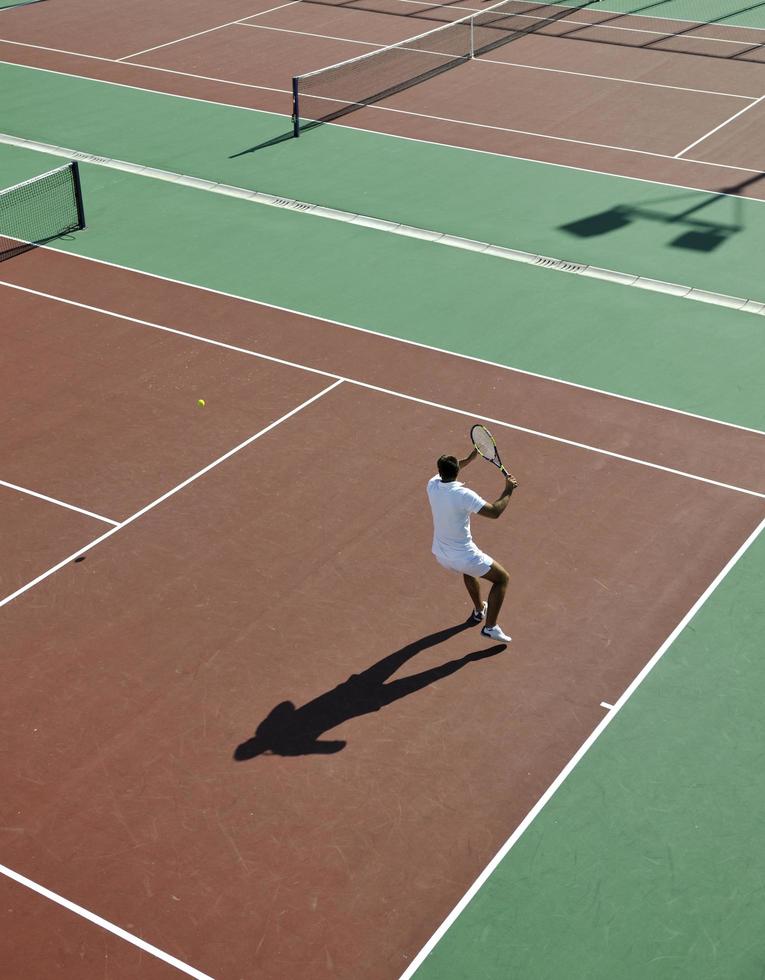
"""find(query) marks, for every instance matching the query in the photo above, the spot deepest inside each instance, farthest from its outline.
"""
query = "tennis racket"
(484, 443)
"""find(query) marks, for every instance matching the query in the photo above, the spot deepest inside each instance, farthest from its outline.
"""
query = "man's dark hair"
(448, 468)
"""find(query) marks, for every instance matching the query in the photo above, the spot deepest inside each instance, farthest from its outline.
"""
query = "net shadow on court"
(370, 78)
(288, 730)
(626, 26)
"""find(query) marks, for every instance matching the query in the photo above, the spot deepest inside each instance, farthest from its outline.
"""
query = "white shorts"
(474, 562)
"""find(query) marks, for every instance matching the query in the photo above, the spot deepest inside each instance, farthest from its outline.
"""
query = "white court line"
(170, 493)
(210, 30)
(139, 88)
(378, 108)
(382, 108)
(575, 759)
(396, 394)
(524, 132)
(606, 25)
(722, 124)
(103, 923)
(60, 503)
(510, 64)
(431, 236)
(605, 704)
(323, 37)
(618, 78)
(372, 132)
(373, 333)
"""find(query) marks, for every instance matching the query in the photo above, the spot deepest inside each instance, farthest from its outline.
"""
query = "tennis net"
(40, 209)
(329, 93)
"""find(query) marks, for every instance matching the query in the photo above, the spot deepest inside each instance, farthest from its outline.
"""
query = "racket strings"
(483, 442)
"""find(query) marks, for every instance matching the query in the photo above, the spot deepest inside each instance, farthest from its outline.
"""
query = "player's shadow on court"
(288, 730)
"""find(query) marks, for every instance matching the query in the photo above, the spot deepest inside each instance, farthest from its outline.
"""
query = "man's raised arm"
(496, 509)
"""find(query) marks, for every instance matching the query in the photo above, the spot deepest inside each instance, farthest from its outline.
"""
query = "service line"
(467, 413)
(169, 493)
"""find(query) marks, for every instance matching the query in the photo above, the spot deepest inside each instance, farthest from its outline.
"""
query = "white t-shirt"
(452, 504)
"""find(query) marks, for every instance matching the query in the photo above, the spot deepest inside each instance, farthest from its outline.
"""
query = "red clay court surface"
(298, 569)
(643, 112)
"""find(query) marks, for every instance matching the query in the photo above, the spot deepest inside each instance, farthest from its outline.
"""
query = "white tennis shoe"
(478, 615)
(495, 633)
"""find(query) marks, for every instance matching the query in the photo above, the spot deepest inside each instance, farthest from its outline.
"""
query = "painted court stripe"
(209, 30)
(389, 391)
(722, 125)
(360, 129)
(507, 64)
(104, 924)
(170, 493)
(374, 333)
(744, 305)
(59, 503)
(575, 759)
(380, 108)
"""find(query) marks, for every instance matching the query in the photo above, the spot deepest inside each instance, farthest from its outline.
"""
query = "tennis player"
(452, 504)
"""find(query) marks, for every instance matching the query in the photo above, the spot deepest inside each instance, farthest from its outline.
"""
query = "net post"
(472, 37)
(295, 108)
(75, 168)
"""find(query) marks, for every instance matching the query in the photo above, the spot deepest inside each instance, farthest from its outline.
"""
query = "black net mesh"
(712, 32)
(39, 210)
(332, 92)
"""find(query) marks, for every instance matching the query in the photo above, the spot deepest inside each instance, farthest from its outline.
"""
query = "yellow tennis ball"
(201, 403)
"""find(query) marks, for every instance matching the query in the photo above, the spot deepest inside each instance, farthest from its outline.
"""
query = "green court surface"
(619, 223)
(646, 863)
(686, 355)
(716, 12)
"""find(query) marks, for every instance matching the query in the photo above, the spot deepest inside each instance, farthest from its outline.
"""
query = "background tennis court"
(584, 803)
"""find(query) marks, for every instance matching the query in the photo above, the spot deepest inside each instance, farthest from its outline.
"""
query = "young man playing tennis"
(452, 504)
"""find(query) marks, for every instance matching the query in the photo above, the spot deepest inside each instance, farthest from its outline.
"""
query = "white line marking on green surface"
(575, 759)
(467, 413)
(742, 304)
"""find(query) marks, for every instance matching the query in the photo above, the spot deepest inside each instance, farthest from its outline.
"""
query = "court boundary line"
(169, 493)
(548, 794)
(382, 108)
(722, 125)
(506, 64)
(210, 30)
(98, 920)
(391, 392)
(54, 500)
(597, 24)
(408, 112)
(374, 132)
(614, 277)
(618, 78)
(390, 337)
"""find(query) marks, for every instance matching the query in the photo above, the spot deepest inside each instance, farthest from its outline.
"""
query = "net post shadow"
(700, 235)
(290, 731)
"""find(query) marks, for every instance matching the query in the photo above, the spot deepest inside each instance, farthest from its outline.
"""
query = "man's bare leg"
(473, 585)
(499, 579)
